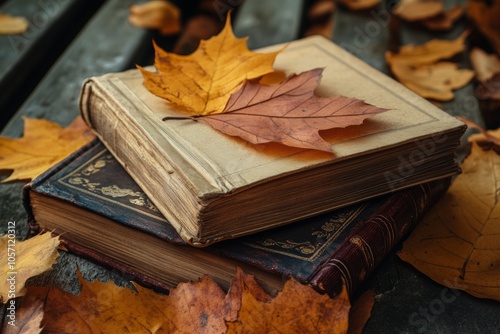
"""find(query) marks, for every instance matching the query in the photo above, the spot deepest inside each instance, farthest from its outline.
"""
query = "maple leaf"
(25, 259)
(28, 318)
(416, 10)
(444, 20)
(195, 307)
(485, 14)
(203, 81)
(457, 243)
(417, 68)
(288, 113)
(44, 143)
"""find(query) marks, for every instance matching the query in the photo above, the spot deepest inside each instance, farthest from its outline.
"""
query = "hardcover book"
(102, 214)
(212, 187)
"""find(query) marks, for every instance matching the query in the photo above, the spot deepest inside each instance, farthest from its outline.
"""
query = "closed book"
(211, 186)
(100, 213)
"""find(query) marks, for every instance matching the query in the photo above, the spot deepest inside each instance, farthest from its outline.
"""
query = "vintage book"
(211, 186)
(102, 214)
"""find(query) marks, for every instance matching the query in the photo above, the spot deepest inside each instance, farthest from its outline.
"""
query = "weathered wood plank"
(25, 58)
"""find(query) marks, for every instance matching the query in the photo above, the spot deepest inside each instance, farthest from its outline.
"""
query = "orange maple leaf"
(203, 81)
(44, 143)
(288, 113)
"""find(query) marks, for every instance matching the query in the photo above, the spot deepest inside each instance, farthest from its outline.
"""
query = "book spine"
(372, 241)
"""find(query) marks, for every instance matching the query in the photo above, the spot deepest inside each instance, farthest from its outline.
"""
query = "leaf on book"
(416, 10)
(27, 318)
(24, 259)
(289, 113)
(156, 14)
(12, 24)
(457, 244)
(445, 20)
(196, 307)
(360, 4)
(203, 81)
(44, 143)
(484, 14)
(417, 67)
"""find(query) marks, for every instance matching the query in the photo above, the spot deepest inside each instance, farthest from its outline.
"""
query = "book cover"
(102, 214)
(213, 187)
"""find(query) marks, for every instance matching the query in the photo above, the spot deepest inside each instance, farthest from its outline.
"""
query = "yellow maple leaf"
(203, 81)
(44, 143)
(22, 260)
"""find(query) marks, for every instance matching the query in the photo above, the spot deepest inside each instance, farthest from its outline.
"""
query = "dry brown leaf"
(12, 24)
(289, 113)
(203, 81)
(44, 143)
(485, 65)
(427, 53)
(26, 319)
(156, 14)
(458, 242)
(416, 10)
(485, 15)
(25, 259)
(416, 67)
(434, 81)
(445, 20)
(296, 309)
(360, 4)
(199, 307)
(361, 311)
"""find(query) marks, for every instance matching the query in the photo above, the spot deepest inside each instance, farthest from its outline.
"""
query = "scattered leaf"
(44, 143)
(416, 10)
(296, 309)
(289, 113)
(25, 259)
(487, 139)
(203, 81)
(196, 307)
(360, 4)
(445, 20)
(361, 311)
(457, 243)
(485, 14)
(435, 81)
(416, 67)
(12, 24)
(27, 319)
(485, 65)
(156, 14)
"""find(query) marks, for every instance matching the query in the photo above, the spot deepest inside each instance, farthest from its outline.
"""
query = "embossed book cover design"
(344, 245)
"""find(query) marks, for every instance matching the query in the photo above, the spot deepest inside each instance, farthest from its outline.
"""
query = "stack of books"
(166, 202)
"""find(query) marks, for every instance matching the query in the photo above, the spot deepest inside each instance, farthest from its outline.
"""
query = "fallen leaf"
(485, 65)
(458, 242)
(195, 307)
(427, 53)
(26, 319)
(487, 139)
(361, 311)
(12, 24)
(288, 113)
(444, 20)
(295, 309)
(360, 4)
(417, 68)
(156, 14)
(25, 259)
(44, 143)
(203, 81)
(435, 81)
(485, 16)
(416, 10)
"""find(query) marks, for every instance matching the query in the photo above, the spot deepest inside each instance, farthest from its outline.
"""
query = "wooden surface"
(406, 300)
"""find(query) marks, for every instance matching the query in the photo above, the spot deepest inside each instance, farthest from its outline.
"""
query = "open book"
(212, 187)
